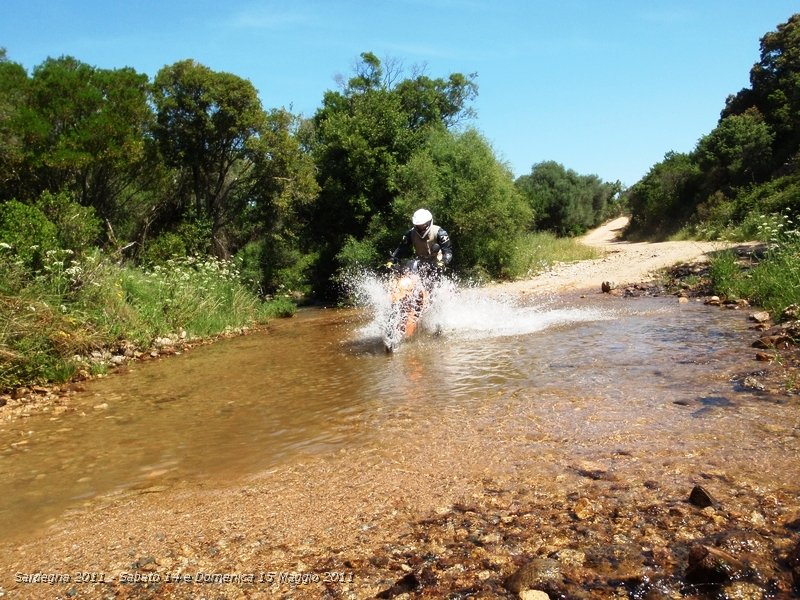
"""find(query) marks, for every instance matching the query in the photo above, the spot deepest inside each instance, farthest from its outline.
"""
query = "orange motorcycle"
(409, 297)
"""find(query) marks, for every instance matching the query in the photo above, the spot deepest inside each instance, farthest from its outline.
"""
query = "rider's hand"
(389, 264)
(440, 264)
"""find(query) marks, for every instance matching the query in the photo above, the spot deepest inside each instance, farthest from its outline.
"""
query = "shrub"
(77, 226)
(166, 246)
(28, 231)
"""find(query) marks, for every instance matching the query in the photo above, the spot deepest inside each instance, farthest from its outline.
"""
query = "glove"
(440, 264)
(389, 264)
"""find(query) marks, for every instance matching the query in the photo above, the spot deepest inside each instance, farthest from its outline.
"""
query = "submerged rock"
(583, 509)
(541, 574)
(712, 566)
(742, 590)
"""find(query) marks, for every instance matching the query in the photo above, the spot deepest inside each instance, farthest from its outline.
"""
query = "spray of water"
(462, 311)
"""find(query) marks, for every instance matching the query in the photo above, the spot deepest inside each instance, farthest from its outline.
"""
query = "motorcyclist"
(430, 242)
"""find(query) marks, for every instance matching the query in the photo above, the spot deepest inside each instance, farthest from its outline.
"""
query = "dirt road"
(622, 262)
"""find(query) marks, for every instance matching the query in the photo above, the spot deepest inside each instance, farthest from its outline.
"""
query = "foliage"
(737, 152)
(77, 225)
(27, 231)
(208, 126)
(78, 304)
(565, 202)
(363, 137)
(471, 195)
(774, 283)
(275, 216)
(84, 131)
(664, 197)
(773, 88)
(751, 155)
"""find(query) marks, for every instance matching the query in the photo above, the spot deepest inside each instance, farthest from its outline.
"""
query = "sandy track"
(621, 263)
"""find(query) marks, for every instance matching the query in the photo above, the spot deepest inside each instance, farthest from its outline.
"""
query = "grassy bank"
(535, 252)
(58, 311)
(773, 282)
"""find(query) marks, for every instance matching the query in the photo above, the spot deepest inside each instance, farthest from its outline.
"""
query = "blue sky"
(604, 87)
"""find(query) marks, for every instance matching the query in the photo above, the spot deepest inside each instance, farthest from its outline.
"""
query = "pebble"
(699, 496)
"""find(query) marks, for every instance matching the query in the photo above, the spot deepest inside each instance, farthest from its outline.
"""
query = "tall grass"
(536, 252)
(50, 319)
(774, 283)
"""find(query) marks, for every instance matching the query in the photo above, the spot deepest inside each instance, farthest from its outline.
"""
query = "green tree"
(564, 202)
(737, 152)
(13, 98)
(665, 197)
(284, 187)
(471, 194)
(85, 131)
(208, 128)
(363, 136)
(775, 89)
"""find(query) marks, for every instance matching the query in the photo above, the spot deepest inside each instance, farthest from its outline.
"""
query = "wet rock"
(541, 574)
(606, 287)
(700, 497)
(769, 342)
(534, 595)
(583, 509)
(751, 383)
(712, 566)
(793, 560)
(793, 524)
(713, 301)
(742, 590)
(764, 357)
(761, 316)
(407, 583)
(117, 360)
(739, 541)
(570, 557)
(594, 473)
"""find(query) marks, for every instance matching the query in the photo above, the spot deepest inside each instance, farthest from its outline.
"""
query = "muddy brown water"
(599, 376)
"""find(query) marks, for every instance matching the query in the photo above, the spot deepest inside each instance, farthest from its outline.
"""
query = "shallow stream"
(597, 376)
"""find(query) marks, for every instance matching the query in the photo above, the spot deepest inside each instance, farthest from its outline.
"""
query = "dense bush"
(78, 227)
(28, 231)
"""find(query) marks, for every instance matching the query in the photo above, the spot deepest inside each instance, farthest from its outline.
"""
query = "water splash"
(464, 311)
(472, 313)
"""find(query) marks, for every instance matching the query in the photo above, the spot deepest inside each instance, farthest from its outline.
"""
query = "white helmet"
(422, 220)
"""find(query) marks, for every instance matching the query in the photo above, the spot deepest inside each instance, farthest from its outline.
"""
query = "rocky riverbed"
(450, 513)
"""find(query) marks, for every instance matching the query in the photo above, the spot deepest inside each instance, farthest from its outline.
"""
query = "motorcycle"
(409, 296)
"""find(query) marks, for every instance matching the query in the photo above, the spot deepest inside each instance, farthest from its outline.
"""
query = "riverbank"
(494, 504)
